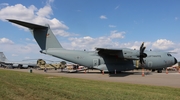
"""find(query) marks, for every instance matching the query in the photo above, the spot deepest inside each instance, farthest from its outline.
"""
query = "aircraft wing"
(123, 53)
(112, 52)
(22, 63)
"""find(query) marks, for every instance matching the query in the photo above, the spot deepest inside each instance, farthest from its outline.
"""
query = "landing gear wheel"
(153, 70)
(159, 71)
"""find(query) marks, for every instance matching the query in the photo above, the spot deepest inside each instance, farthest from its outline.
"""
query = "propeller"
(142, 54)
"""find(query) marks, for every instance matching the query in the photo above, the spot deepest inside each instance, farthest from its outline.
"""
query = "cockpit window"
(169, 54)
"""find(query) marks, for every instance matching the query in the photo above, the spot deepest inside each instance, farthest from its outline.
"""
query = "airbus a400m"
(104, 59)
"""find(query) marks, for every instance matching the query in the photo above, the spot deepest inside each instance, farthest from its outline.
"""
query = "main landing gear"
(158, 71)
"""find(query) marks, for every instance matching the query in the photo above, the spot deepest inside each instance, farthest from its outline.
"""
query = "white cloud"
(90, 43)
(116, 34)
(46, 11)
(17, 11)
(158, 45)
(5, 41)
(136, 45)
(25, 48)
(163, 44)
(103, 17)
(20, 50)
(61, 33)
(35, 15)
(132, 45)
(112, 26)
(56, 24)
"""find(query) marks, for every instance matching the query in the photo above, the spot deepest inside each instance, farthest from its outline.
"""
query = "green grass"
(30, 86)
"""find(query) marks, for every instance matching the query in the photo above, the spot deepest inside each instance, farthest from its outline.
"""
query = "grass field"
(29, 86)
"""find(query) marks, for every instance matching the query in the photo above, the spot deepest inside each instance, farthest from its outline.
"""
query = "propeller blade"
(141, 60)
(142, 54)
(143, 49)
(142, 45)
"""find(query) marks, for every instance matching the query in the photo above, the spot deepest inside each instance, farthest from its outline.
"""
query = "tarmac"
(170, 79)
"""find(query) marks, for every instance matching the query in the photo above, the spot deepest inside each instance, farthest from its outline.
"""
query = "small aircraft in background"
(15, 64)
(103, 59)
(58, 65)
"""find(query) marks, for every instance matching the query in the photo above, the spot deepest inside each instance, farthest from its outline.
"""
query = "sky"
(86, 24)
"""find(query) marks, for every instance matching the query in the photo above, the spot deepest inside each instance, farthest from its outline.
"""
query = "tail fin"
(2, 57)
(42, 34)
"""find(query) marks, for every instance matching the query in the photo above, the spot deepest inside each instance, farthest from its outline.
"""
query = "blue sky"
(86, 24)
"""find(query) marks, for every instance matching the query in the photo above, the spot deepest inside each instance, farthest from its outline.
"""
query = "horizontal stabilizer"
(41, 33)
(26, 24)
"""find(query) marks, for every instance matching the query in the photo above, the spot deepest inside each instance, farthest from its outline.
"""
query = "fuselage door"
(137, 63)
(95, 62)
(150, 64)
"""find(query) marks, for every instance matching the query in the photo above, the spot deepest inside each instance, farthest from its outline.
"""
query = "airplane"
(15, 64)
(42, 64)
(103, 59)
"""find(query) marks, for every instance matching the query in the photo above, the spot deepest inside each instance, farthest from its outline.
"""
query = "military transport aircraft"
(4, 62)
(104, 59)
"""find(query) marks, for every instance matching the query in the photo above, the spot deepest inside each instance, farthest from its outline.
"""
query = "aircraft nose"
(175, 60)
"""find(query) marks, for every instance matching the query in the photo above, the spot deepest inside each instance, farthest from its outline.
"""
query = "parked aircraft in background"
(43, 65)
(104, 59)
(15, 64)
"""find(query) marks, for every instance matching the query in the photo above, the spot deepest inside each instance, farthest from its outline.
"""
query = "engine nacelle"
(24, 66)
(129, 54)
(15, 65)
(20, 66)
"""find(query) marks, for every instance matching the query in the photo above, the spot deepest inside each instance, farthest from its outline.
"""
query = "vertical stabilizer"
(2, 57)
(42, 34)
